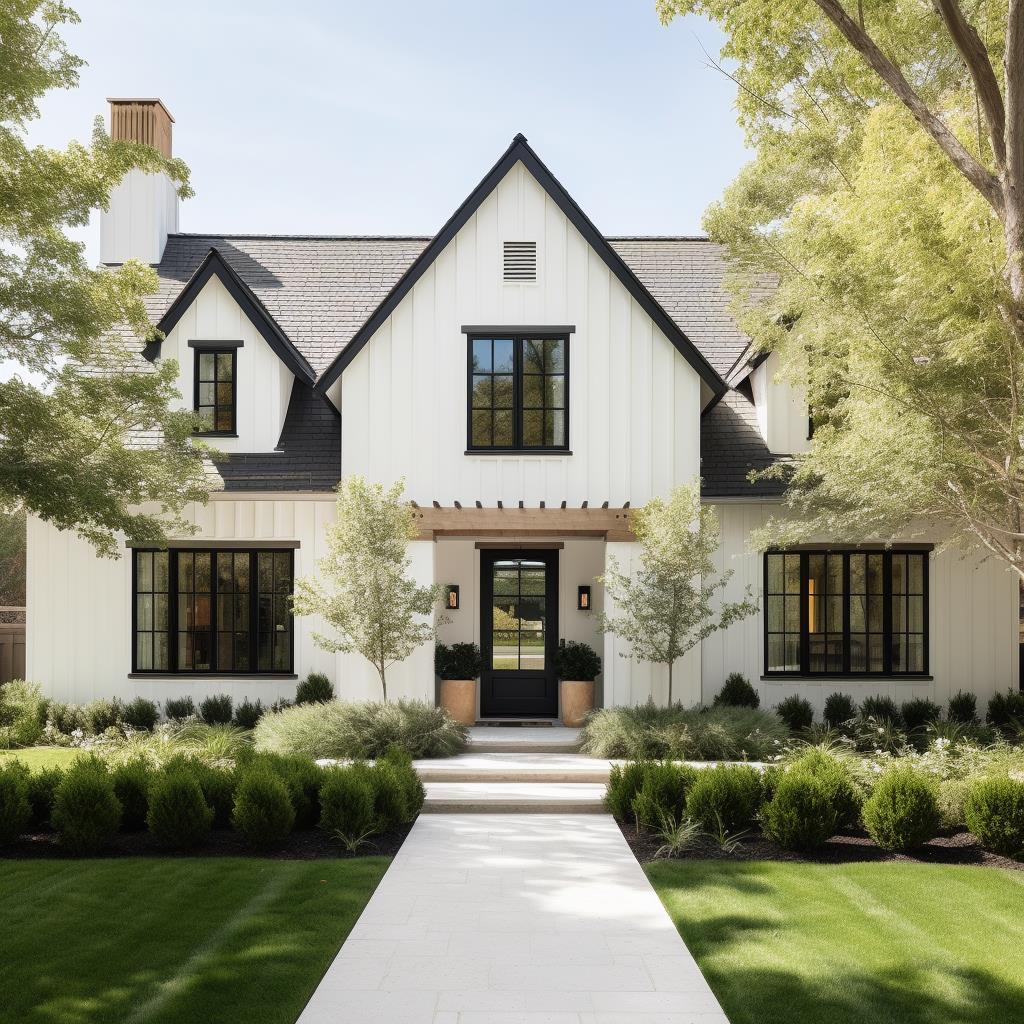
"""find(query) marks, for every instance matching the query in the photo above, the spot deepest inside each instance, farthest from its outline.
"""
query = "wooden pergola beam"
(456, 521)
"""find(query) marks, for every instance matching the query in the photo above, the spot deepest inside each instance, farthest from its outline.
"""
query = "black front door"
(519, 633)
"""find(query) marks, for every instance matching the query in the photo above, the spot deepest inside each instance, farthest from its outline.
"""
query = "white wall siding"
(634, 401)
(782, 413)
(973, 626)
(142, 211)
(264, 383)
(79, 607)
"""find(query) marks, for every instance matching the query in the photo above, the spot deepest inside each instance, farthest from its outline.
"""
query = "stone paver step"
(514, 798)
(515, 766)
(496, 739)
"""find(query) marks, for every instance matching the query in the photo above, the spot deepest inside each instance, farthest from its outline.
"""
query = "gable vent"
(520, 261)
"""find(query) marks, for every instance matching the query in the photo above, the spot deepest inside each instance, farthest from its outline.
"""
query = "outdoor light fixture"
(453, 596)
(583, 599)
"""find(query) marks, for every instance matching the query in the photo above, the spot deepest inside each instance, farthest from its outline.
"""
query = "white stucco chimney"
(144, 207)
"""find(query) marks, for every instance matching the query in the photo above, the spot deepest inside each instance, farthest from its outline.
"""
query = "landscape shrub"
(662, 794)
(963, 708)
(42, 787)
(994, 812)
(881, 709)
(457, 661)
(177, 709)
(902, 812)
(263, 810)
(216, 709)
(303, 779)
(1005, 710)
(346, 806)
(725, 799)
(840, 708)
(952, 799)
(178, 815)
(796, 712)
(624, 782)
(218, 785)
(737, 692)
(880, 734)
(140, 714)
(408, 777)
(800, 814)
(22, 713)
(362, 731)
(316, 688)
(648, 732)
(66, 718)
(390, 799)
(577, 661)
(86, 812)
(15, 808)
(131, 785)
(919, 712)
(836, 775)
(103, 714)
(247, 714)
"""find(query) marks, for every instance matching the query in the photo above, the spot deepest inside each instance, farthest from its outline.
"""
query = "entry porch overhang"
(457, 520)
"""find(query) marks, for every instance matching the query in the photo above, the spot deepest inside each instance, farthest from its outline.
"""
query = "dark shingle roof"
(731, 447)
(308, 455)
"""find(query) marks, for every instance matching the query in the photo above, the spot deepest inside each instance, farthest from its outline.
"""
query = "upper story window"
(519, 393)
(212, 611)
(846, 612)
(215, 391)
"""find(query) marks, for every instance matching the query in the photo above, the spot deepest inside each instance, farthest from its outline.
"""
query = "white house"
(532, 380)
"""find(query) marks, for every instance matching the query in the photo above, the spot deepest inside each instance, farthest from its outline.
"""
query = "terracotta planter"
(577, 701)
(458, 698)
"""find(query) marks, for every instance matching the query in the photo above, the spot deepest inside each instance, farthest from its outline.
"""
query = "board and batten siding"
(79, 609)
(972, 619)
(264, 384)
(634, 401)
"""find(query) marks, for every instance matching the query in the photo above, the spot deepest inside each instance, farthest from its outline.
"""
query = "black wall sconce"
(452, 601)
(583, 598)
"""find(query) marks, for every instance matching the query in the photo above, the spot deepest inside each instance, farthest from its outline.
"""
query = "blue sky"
(380, 117)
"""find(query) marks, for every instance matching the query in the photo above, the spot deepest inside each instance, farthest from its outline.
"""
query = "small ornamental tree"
(669, 604)
(364, 592)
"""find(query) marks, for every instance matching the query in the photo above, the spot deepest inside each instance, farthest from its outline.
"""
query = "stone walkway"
(514, 919)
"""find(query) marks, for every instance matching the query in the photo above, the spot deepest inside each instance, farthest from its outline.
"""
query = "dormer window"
(215, 391)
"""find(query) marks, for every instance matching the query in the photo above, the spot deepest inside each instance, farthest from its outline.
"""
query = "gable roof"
(214, 265)
(520, 151)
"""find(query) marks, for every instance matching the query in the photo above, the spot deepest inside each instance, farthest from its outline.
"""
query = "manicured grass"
(41, 757)
(175, 940)
(892, 943)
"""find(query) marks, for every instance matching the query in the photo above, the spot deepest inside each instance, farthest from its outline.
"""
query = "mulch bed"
(308, 844)
(847, 848)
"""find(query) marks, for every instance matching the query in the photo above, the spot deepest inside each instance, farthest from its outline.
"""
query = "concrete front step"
(496, 739)
(514, 767)
(514, 798)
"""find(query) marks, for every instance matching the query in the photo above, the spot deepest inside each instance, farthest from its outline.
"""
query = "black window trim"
(225, 348)
(172, 613)
(887, 672)
(518, 336)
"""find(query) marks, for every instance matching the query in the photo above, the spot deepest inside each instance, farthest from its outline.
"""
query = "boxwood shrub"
(963, 708)
(725, 798)
(801, 814)
(131, 784)
(263, 810)
(994, 812)
(1006, 709)
(86, 812)
(838, 779)
(15, 809)
(919, 712)
(902, 812)
(881, 709)
(577, 661)
(662, 794)
(247, 714)
(796, 712)
(316, 688)
(346, 806)
(141, 714)
(840, 708)
(42, 787)
(177, 709)
(737, 692)
(216, 709)
(457, 661)
(178, 815)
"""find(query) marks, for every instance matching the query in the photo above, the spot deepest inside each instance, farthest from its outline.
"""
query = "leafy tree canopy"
(73, 417)
(886, 199)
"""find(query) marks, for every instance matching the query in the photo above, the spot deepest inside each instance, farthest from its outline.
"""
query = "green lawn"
(140, 941)
(41, 757)
(894, 943)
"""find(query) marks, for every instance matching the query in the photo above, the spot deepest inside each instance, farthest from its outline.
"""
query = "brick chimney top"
(140, 119)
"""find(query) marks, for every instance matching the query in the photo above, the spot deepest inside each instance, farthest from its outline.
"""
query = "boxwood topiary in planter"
(457, 661)
(903, 812)
(737, 692)
(577, 661)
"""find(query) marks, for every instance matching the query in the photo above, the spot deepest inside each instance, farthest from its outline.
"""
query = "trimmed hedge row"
(265, 797)
(804, 804)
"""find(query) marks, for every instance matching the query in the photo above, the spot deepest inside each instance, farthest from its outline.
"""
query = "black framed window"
(209, 611)
(215, 390)
(518, 393)
(839, 613)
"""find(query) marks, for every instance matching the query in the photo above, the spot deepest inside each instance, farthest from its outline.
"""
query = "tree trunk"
(670, 683)
(383, 682)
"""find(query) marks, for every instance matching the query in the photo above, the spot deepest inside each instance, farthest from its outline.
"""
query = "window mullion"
(805, 625)
(172, 611)
(887, 612)
(846, 612)
(214, 623)
(517, 392)
(254, 603)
